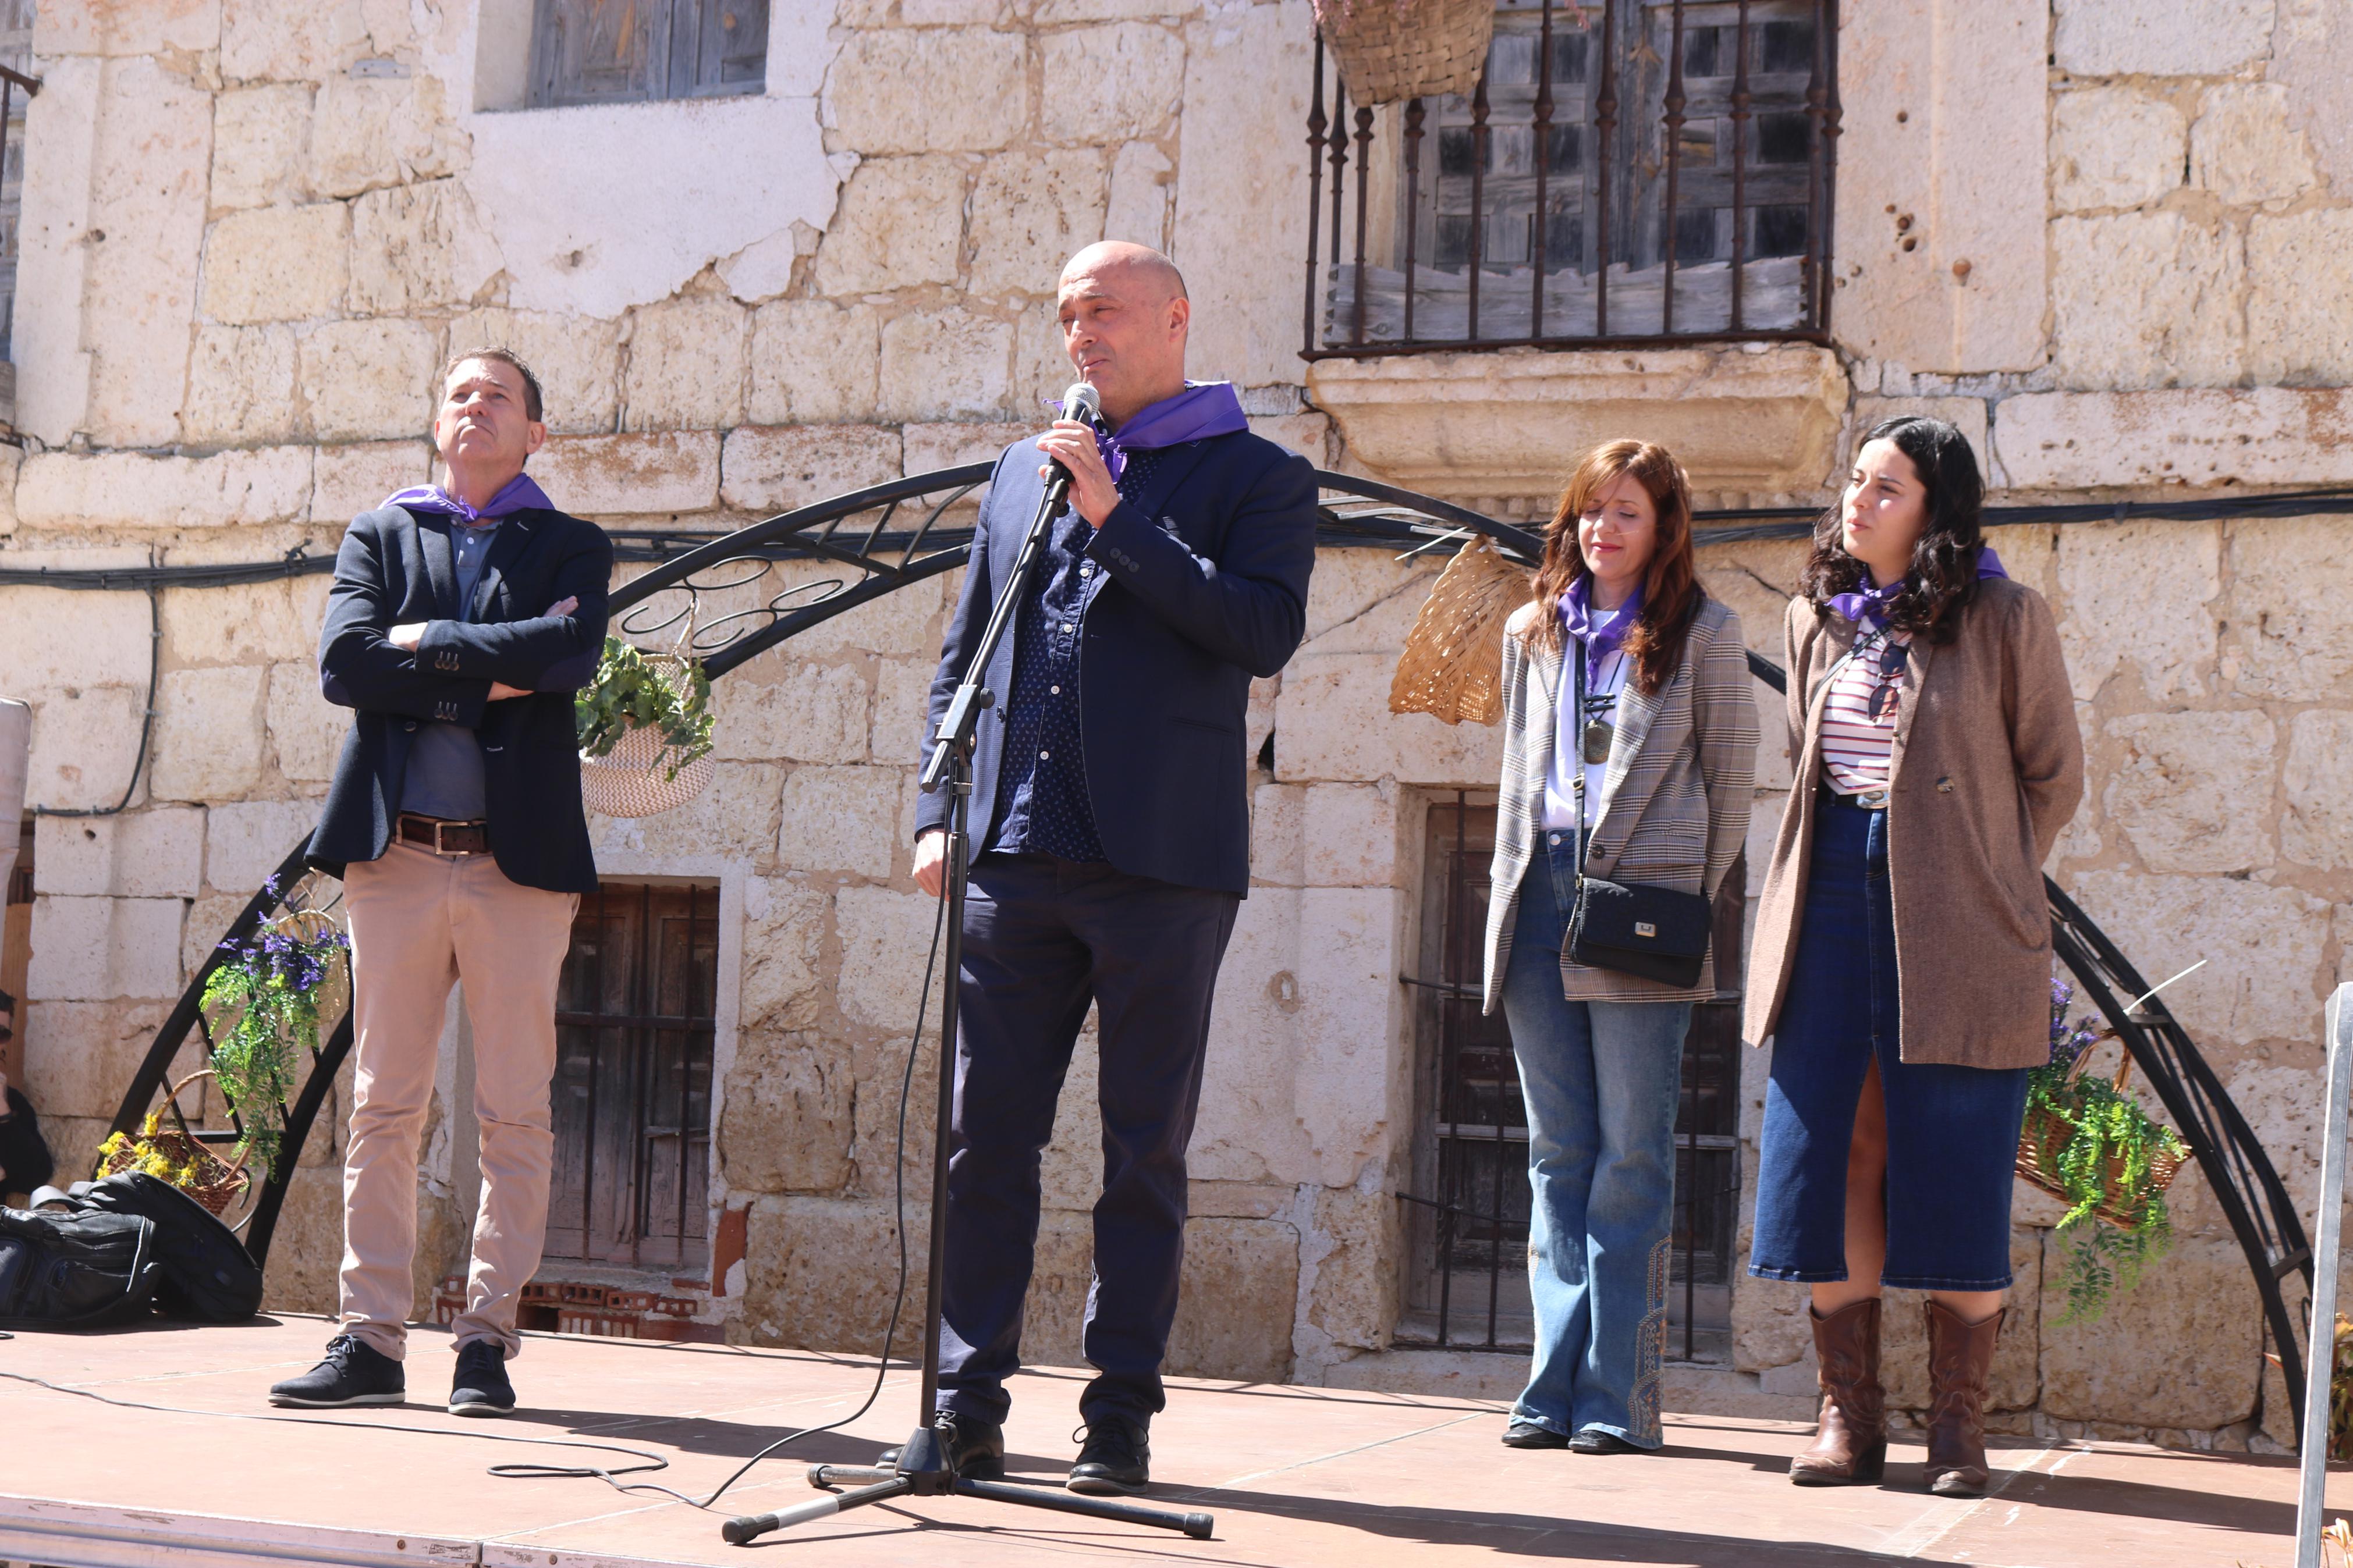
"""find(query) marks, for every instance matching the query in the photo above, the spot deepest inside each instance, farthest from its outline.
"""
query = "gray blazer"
(1674, 797)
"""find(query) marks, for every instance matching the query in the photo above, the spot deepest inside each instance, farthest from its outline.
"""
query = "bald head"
(1124, 317)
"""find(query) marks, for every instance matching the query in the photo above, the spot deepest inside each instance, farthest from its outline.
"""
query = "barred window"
(631, 51)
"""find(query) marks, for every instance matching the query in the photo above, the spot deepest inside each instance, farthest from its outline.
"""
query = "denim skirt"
(1952, 1132)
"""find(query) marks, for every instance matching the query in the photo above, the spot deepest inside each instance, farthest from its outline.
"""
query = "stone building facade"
(252, 229)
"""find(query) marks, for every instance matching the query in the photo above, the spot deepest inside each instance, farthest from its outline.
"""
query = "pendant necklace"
(1598, 731)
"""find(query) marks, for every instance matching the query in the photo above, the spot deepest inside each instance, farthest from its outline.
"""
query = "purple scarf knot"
(1205, 408)
(1601, 632)
(518, 494)
(1868, 606)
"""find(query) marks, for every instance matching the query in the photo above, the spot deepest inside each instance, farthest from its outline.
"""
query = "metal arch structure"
(731, 602)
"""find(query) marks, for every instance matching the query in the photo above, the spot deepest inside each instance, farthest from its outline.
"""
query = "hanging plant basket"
(1392, 50)
(645, 732)
(172, 1155)
(1453, 664)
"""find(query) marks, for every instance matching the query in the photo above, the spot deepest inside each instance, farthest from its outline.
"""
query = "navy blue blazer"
(1206, 586)
(396, 566)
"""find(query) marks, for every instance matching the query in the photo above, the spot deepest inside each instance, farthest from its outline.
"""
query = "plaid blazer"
(1674, 796)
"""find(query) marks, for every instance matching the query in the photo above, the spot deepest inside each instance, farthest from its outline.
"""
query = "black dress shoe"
(351, 1375)
(1594, 1440)
(1114, 1461)
(975, 1448)
(1528, 1435)
(480, 1386)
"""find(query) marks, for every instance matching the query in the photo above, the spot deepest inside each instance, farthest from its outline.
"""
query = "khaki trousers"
(419, 922)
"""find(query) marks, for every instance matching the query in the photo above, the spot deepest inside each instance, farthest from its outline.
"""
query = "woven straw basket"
(1391, 50)
(634, 778)
(214, 1183)
(2045, 1134)
(1452, 665)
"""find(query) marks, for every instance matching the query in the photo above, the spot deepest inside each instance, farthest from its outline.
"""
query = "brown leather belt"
(445, 838)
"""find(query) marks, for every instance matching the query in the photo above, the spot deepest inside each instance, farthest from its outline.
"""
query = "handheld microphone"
(1083, 403)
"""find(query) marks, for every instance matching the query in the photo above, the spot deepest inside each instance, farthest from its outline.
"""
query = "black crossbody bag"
(1657, 933)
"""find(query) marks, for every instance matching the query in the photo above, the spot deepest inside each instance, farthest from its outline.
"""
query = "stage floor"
(1295, 1476)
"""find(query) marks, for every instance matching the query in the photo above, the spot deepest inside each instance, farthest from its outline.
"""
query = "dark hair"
(1671, 590)
(1943, 576)
(532, 403)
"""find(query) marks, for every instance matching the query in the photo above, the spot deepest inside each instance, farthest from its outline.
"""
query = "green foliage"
(632, 692)
(271, 986)
(2100, 1146)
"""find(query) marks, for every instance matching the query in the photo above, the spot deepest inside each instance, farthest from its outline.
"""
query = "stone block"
(977, 99)
(245, 842)
(276, 263)
(1041, 362)
(815, 715)
(786, 1124)
(1349, 836)
(2198, 37)
(1069, 1174)
(944, 364)
(1125, 79)
(1055, 13)
(241, 386)
(814, 362)
(1054, 1314)
(2182, 1349)
(2016, 1380)
(209, 919)
(370, 379)
(95, 949)
(1238, 1301)
(66, 491)
(686, 365)
(154, 854)
(884, 936)
(2295, 265)
(902, 694)
(2113, 147)
(882, 1069)
(784, 936)
(840, 819)
(2263, 946)
(208, 728)
(818, 1271)
(369, 133)
(929, 447)
(1354, 1247)
(2242, 149)
(115, 31)
(1333, 723)
(306, 732)
(420, 247)
(259, 136)
(85, 744)
(292, 40)
(902, 621)
(2289, 638)
(632, 475)
(2259, 435)
(307, 1249)
(771, 469)
(243, 623)
(734, 817)
(2146, 299)
(348, 480)
(1309, 434)
(79, 1058)
(2192, 791)
(2137, 598)
(899, 225)
(1031, 214)
(2316, 828)
(576, 358)
(1142, 182)
(1277, 855)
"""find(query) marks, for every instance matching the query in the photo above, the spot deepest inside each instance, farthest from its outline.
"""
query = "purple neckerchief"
(1871, 603)
(1203, 409)
(518, 494)
(1601, 640)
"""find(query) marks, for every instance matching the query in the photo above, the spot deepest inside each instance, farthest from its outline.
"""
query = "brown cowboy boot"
(1960, 1356)
(1850, 1443)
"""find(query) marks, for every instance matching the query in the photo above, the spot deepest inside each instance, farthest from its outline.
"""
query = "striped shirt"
(1858, 713)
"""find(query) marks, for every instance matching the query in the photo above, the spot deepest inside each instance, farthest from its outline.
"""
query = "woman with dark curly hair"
(1901, 958)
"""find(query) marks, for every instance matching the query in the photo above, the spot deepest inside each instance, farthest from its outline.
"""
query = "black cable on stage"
(611, 1475)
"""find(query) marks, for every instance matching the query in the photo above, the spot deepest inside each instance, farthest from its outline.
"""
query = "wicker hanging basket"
(200, 1173)
(2045, 1133)
(1391, 50)
(1452, 665)
(636, 778)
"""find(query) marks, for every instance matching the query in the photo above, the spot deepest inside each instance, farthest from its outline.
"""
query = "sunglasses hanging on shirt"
(1895, 658)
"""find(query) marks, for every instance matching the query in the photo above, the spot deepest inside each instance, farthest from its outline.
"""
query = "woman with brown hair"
(1901, 958)
(1630, 742)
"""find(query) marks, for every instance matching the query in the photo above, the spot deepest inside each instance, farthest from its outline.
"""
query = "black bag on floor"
(207, 1275)
(78, 1267)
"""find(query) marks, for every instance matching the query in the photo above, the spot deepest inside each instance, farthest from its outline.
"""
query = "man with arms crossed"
(461, 621)
(1111, 825)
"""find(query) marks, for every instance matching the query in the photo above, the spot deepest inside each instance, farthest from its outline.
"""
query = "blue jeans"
(1952, 1132)
(1601, 1081)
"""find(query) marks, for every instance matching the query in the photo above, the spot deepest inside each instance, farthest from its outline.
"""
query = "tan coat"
(1988, 767)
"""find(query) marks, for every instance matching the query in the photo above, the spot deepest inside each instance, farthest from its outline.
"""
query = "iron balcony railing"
(1627, 172)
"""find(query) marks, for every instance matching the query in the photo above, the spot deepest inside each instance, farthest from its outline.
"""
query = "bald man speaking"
(1111, 835)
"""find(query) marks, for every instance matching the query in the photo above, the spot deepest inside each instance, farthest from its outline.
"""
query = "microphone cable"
(611, 1474)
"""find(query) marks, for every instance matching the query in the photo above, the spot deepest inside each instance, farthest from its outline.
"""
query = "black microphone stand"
(923, 1468)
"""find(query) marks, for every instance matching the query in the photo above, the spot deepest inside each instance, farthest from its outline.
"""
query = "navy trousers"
(1042, 939)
